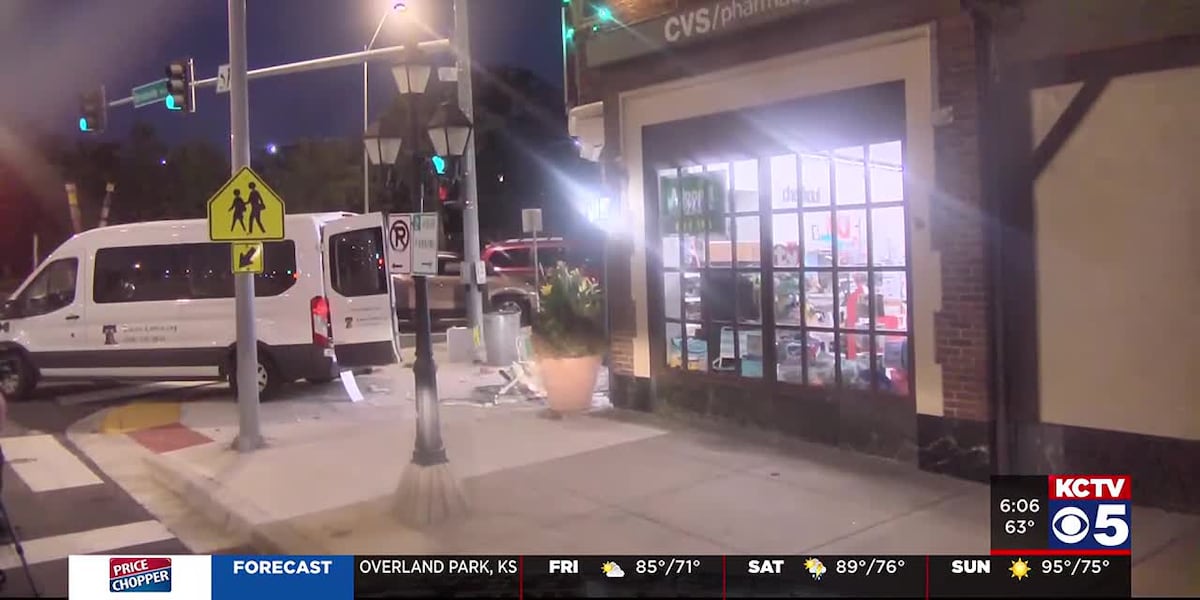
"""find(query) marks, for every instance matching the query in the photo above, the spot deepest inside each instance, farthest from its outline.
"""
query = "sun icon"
(1019, 569)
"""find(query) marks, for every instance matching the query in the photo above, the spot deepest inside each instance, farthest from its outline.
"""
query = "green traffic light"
(604, 13)
(170, 102)
(568, 33)
(83, 124)
(439, 165)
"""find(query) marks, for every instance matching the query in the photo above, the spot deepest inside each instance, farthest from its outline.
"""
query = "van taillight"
(322, 325)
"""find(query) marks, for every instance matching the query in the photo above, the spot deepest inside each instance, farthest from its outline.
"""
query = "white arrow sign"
(223, 79)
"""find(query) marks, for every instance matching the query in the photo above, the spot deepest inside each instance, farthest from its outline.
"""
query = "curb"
(226, 509)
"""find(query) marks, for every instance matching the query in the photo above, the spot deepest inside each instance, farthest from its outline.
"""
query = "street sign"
(531, 220)
(149, 93)
(247, 257)
(223, 79)
(245, 209)
(399, 244)
(424, 244)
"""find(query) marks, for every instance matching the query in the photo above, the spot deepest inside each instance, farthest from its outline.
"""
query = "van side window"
(357, 264)
(162, 272)
(139, 274)
(53, 289)
(211, 276)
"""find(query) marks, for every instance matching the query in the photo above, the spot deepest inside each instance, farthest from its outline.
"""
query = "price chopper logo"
(147, 574)
(1090, 512)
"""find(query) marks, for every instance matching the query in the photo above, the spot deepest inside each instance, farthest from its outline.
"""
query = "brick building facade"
(953, 403)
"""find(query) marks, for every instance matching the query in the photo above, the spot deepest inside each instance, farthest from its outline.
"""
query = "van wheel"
(17, 377)
(269, 379)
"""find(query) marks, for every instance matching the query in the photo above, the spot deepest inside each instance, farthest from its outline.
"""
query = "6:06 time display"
(1020, 505)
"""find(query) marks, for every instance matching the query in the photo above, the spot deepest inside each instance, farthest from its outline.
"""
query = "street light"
(395, 6)
(381, 150)
(449, 130)
(428, 490)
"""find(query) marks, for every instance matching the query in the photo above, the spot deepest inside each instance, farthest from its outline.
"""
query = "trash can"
(500, 331)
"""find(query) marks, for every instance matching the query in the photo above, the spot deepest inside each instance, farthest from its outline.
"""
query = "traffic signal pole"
(249, 436)
(317, 64)
(476, 273)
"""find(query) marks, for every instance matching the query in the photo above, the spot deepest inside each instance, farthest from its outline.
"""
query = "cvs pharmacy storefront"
(778, 265)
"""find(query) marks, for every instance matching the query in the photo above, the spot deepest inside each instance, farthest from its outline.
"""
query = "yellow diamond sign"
(245, 209)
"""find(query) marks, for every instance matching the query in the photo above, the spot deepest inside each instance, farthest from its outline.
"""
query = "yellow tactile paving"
(140, 415)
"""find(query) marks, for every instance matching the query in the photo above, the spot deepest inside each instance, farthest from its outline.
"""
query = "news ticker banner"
(1075, 515)
(227, 577)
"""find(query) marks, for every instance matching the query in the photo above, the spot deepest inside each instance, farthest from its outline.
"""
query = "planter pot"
(569, 382)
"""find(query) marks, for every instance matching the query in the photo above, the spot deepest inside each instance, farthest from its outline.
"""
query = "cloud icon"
(612, 569)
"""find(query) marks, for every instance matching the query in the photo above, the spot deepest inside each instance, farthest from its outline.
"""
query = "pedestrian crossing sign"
(247, 257)
(245, 209)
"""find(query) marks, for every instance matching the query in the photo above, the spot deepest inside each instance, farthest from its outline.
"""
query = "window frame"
(335, 275)
(22, 301)
(183, 257)
(767, 271)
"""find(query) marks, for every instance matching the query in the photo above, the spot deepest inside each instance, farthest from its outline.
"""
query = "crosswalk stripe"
(94, 541)
(44, 464)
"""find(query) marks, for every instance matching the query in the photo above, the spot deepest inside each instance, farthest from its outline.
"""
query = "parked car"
(447, 294)
(511, 271)
(510, 279)
(156, 301)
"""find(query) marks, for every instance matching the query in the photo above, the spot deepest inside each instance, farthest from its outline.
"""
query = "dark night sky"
(51, 50)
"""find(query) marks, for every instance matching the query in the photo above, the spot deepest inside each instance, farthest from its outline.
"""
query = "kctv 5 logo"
(1091, 513)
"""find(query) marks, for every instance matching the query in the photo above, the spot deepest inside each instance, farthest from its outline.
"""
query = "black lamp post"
(428, 490)
(412, 77)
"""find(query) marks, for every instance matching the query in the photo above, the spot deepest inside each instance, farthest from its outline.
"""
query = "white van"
(156, 301)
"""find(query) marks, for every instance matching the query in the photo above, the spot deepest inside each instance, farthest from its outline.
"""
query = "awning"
(586, 124)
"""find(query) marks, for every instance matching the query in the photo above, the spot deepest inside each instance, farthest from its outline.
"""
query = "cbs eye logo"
(1109, 526)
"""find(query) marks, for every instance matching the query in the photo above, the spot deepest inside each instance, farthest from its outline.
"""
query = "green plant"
(568, 322)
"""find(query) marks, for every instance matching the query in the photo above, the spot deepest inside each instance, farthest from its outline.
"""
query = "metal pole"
(471, 243)
(565, 51)
(73, 205)
(104, 209)
(249, 435)
(537, 275)
(365, 157)
(318, 64)
(428, 449)
(35, 252)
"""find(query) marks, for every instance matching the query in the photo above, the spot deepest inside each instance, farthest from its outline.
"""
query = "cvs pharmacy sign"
(728, 15)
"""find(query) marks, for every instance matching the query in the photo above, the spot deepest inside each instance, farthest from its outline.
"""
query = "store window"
(836, 270)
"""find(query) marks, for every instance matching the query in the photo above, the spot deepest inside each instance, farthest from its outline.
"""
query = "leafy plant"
(568, 323)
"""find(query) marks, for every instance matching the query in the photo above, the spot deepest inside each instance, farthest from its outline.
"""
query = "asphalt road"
(59, 502)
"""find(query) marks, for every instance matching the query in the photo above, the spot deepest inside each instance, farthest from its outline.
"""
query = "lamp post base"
(242, 443)
(429, 495)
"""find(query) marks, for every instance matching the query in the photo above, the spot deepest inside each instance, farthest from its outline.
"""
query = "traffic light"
(447, 191)
(93, 111)
(181, 95)
(439, 164)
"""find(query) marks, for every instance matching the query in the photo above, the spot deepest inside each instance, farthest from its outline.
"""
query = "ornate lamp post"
(428, 490)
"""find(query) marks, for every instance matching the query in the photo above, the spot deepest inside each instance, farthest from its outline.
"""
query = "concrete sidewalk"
(607, 483)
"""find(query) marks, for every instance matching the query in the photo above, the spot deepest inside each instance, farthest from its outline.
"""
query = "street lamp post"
(395, 6)
(428, 491)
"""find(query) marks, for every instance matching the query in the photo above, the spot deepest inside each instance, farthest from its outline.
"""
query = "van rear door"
(360, 291)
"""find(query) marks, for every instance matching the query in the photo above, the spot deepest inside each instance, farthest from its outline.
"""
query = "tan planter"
(569, 382)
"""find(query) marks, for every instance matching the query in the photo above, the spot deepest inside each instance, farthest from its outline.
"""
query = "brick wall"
(961, 327)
